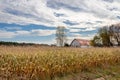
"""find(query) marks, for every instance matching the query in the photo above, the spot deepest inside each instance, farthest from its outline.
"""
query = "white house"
(80, 43)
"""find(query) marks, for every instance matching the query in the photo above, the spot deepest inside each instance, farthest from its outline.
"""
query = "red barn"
(80, 43)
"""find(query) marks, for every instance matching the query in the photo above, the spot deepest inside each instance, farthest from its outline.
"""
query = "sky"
(35, 21)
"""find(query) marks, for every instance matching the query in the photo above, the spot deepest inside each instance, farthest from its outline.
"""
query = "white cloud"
(37, 12)
(89, 29)
(74, 30)
(26, 12)
(83, 30)
(7, 34)
(40, 32)
(35, 32)
(23, 33)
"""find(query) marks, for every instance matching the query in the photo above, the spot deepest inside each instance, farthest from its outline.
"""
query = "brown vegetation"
(46, 63)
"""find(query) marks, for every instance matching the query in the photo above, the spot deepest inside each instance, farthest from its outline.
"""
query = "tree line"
(23, 44)
(15, 44)
(107, 36)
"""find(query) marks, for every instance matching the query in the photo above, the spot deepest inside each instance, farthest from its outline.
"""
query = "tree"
(96, 41)
(104, 34)
(109, 35)
(61, 35)
(115, 33)
(102, 38)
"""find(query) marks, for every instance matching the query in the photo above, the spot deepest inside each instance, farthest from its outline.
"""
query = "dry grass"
(45, 63)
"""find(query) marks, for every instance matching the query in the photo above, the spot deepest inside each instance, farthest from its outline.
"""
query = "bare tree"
(61, 35)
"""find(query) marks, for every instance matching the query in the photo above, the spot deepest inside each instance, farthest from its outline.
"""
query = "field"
(52, 63)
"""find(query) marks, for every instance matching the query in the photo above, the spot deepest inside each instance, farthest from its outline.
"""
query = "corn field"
(46, 63)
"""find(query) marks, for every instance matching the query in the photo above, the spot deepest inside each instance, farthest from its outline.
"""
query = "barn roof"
(82, 42)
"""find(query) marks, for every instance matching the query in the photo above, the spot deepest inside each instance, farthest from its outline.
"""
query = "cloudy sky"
(36, 20)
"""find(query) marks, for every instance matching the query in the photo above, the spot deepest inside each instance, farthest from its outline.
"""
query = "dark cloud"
(99, 21)
(118, 17)
(71, 23)
(59, 5)
(109, 1)
(59, 14)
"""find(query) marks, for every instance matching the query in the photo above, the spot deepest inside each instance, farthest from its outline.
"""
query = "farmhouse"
(80, 43)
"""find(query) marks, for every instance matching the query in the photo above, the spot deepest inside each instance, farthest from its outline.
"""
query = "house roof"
(82, 42)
